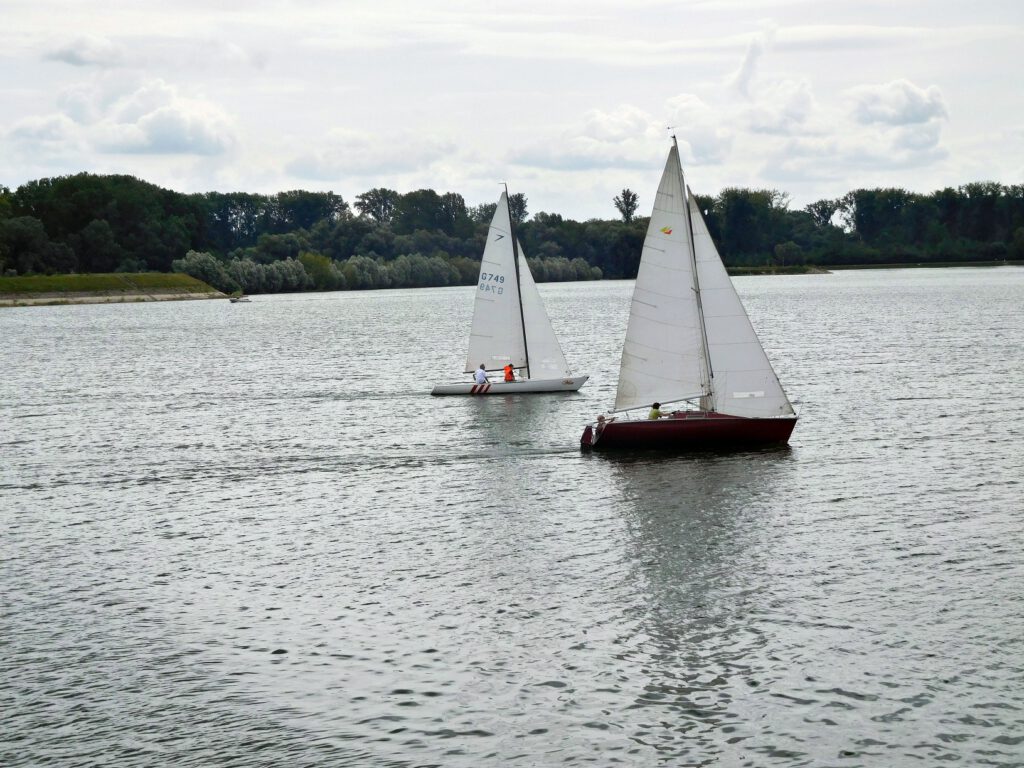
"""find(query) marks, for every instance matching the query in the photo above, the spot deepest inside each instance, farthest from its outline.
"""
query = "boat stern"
(587, 438)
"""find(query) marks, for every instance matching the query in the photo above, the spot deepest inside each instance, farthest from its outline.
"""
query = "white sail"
(662, 357)
(743, 381)
(496, 337)
(688, 334)
(546, 358)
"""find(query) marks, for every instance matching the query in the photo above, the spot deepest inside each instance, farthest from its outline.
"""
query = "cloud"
(87, 51)
(741, 80)
(899, 102)
(48, 129)
(782, 107)
(620, 138)
(849, 152)
(173, 129)
(704, 137)
(148, 118)
(155, 119)
(348, 153)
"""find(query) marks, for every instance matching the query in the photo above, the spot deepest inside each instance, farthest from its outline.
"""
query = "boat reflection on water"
(700, 530)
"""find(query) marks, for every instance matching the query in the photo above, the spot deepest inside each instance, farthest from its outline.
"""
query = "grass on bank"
(142, 282)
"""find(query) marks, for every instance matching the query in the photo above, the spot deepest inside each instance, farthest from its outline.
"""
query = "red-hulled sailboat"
(689, 342)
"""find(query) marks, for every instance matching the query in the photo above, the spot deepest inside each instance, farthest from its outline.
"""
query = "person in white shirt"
(481, 375)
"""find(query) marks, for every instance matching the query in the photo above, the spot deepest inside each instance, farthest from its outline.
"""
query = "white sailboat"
(510, 324)
(689, 341)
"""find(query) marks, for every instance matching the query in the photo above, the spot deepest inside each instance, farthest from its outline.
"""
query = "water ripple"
(256, 540)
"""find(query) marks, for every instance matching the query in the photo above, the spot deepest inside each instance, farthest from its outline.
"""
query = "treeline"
(301, 240)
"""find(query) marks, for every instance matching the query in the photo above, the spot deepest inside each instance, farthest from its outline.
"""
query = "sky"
(567, 101)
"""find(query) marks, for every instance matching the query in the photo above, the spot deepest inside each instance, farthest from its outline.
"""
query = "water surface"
(246, 535)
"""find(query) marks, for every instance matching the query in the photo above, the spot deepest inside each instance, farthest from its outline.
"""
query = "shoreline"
(134, 293)
(98, 297)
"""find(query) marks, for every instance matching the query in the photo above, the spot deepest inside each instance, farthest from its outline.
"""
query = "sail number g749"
(489, 281)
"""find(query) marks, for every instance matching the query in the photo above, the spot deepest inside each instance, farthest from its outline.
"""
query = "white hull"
(529, 386)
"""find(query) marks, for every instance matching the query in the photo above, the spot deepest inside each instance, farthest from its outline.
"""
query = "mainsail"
(510, 324)
(662, 357)
(688, 335)
(496, 337)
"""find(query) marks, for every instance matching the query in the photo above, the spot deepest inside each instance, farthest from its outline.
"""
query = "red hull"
(690, 431)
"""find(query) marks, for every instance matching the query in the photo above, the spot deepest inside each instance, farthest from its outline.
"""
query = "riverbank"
(929, 265)
(797, 269)
(824, 269)
(114, 288)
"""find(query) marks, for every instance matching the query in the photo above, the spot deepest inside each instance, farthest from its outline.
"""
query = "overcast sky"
(566, 100)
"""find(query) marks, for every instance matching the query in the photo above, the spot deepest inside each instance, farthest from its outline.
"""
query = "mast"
(707, 372)
(519, 290)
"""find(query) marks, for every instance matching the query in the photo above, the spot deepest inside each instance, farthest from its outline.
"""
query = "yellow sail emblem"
(667, 230)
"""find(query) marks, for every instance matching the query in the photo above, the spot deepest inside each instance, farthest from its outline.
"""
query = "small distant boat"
(239, 299)
(510, 325)
(689, 341)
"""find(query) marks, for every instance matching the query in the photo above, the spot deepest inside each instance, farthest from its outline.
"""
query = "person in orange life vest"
(510, 373)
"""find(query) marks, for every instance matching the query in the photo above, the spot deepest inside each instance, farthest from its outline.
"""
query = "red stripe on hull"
(690, 432)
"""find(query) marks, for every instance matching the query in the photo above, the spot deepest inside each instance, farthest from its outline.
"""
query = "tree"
(378, 204)
(205, 267)
(299, 209)
(418, 210)
(788, 252)
(97, 248)
(822, 212)
(517, 207)
(288, 275)
(26, 248)
(874, 213)
(321, 271)
(362, 273)
(5, 202)
(739, 217)
(271, 248)
(483, 213)
(453, 213)
(248, 275)
(627, 204)
(1017, 247)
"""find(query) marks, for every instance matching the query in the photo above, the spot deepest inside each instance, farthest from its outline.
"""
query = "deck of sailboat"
(690, 431)
(521, 387)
